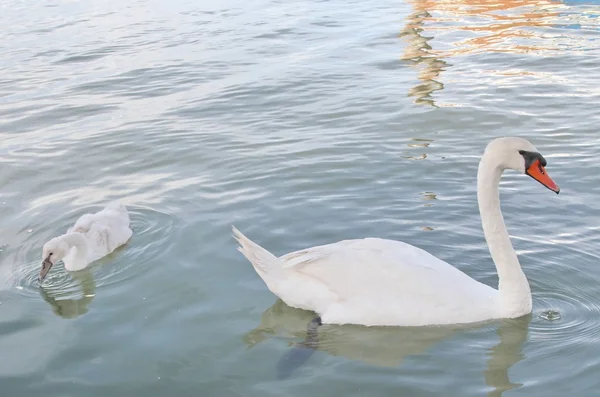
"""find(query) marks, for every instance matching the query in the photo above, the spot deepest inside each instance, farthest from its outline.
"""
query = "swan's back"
(105, 230)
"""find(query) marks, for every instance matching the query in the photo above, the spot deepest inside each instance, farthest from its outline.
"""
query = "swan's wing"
(372, 267)
(83, 224)
(369, 250)
(115, 216)
(99, 239)
(116, 212)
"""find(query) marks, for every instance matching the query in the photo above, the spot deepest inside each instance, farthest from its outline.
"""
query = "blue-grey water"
(302, 122)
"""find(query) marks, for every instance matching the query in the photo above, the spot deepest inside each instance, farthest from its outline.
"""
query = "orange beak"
(537, 172)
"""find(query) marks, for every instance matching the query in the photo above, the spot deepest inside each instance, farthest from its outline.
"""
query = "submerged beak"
(537, 172)
(46, 265)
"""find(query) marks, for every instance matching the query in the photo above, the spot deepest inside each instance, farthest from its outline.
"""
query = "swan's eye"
(50, 254)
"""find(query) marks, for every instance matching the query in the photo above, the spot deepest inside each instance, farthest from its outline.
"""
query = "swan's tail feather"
(260, 258)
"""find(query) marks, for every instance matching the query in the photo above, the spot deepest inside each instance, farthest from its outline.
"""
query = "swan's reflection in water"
(384, 346)
(508, 352)
(72, 307)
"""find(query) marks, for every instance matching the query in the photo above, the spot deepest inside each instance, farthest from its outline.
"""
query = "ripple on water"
(565, 320)
(151, 234)
(550, 315)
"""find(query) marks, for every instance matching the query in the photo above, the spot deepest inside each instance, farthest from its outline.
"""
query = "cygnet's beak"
(46, 265)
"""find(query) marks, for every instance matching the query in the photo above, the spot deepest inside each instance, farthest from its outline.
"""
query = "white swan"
(92, 237)
(377, 282)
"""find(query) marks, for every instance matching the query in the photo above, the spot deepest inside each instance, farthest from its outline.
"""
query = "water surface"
(302, 123)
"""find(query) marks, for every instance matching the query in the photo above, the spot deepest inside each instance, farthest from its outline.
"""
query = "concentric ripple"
(575, 319)
(151, 232)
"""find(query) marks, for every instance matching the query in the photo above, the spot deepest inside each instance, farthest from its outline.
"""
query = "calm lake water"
(301, 122)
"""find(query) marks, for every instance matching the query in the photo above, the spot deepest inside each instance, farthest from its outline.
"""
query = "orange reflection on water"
(510, 26)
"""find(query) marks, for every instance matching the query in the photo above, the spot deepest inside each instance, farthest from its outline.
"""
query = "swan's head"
(54, 251)
(520, 155)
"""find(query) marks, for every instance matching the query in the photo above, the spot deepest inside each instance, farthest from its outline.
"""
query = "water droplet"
(550, 315)
(429, 196)
(19, 287)
(421, 157)
(418, 144)
(29, 230)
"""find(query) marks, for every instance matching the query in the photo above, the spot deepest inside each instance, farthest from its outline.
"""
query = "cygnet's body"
(92, 237)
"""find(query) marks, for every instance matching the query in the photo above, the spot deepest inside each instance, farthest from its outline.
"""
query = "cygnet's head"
(520, 155)
(53, 251)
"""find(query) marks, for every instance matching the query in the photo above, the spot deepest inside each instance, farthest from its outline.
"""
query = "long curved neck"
(515, 293)
(76, 259)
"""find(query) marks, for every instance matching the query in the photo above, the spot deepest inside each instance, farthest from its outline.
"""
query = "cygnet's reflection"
(72, 307)
(383, 346)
